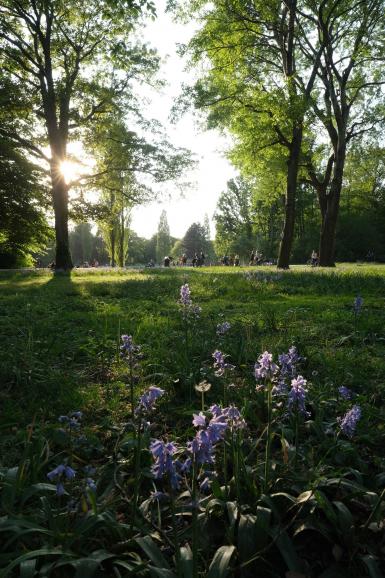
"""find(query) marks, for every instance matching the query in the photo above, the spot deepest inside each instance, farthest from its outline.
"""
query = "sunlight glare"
(70, 171)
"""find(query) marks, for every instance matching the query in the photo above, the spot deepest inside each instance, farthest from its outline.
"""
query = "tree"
(163, 239)
(50, 47)
(24, 230)
(233, 219)
(255, 86)
(194, 240)
(350, 99)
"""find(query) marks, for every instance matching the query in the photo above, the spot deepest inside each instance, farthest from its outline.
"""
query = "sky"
(213, 170)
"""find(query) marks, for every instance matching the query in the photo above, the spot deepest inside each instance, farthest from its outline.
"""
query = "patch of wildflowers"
(296, 400)
(348, 422)
(220, 364)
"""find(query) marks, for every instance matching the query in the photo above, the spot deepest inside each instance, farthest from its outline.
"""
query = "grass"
(60, 334)
(289, 494)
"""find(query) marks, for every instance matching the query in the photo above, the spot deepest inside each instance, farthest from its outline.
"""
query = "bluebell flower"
(234, 418)
(128, 349)
(265, 368)
(60, 473)
(348, 422)
(90, 484)
(189, 310)
(220, 364)
(223, 328)
(357, 304)
(164, 462)
(199, 420)
(345, 392)
(297, 396)
(147, 401)
(185, 295)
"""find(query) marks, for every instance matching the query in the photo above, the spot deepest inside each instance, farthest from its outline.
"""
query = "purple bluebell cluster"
(348, 422)
(188, 308)
(345, 392)
(60, 474)
(288, 362)
(357, 304)
(72, 421)
(296, 400)
(265, 368)
(128, 349)
(148, 400)
(201, 448)
(185, 295)
(91, 485)
(220, 364)
(165, 464)
(223, 328)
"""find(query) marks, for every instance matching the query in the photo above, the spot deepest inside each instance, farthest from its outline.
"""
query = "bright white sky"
(213, 169)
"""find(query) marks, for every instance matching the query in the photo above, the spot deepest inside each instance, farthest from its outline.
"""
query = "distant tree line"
(90, 243)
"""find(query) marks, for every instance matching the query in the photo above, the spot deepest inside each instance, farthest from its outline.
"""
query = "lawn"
(60, 337)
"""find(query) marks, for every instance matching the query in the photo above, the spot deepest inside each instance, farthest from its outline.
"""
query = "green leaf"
(153, 552)
(28, 556)
(186, 561)
(372, 566)
(219, 566)
(161, 572)
(288, 552)
(28, 568)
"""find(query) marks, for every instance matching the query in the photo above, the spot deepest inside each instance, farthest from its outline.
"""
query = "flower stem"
(195, 535)
(268, 440)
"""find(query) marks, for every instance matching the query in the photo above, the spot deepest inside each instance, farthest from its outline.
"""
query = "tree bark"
(330, 216)
(63, 259)
(291, 192)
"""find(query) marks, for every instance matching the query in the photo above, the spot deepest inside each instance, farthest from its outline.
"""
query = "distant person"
(225, 260)
(252, 258)
(202, 258)
(184, 260)
(314, 258)
(194, 260)
(236, 261)
(166, 261)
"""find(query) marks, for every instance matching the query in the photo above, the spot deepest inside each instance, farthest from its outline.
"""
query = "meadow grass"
(60, 333)
(293, 492)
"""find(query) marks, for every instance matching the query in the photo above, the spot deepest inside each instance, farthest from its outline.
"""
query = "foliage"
(163, 239)
(23, 226)
(234, 220)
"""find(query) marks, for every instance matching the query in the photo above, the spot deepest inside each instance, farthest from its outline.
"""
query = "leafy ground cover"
(289, 486)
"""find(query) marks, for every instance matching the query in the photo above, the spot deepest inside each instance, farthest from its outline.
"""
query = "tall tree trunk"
(291, 191)
(330, 216)
(63, 259)
(113, 246)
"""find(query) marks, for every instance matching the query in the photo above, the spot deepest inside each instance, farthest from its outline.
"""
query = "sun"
(70, 171)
